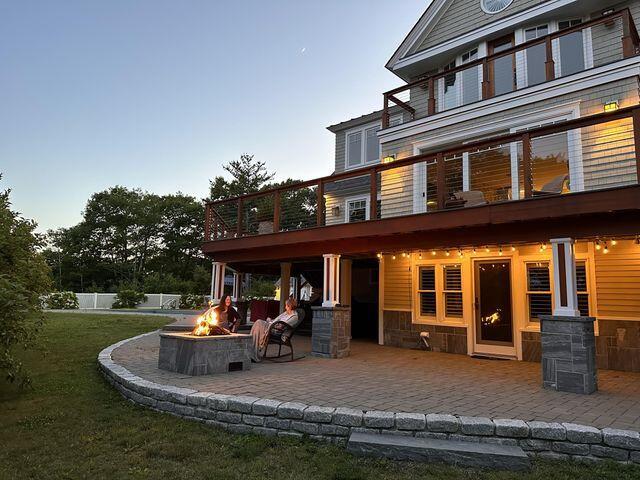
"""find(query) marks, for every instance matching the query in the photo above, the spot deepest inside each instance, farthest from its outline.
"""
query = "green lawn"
(72, 424)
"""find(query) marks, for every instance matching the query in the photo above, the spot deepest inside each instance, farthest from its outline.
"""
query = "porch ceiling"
(579, 215)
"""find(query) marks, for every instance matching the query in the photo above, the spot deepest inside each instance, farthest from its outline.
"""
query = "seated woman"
(227, 315)
(261, 328)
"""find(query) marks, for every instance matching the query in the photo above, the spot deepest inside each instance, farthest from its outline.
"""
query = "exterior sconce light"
(611, 106)
(335, 211)
(389, 159)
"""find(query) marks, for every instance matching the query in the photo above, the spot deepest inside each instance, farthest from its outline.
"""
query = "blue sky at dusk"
(159, 94)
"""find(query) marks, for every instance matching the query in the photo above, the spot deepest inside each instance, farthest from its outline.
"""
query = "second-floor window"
(363, 146)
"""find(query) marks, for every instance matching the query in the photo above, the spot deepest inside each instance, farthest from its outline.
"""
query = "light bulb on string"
(598, 246)
(605, 249)
(614, 242)
(433, 252)
(500, 251)
(447, 253)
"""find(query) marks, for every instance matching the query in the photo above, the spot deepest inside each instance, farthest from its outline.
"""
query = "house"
(498, 184)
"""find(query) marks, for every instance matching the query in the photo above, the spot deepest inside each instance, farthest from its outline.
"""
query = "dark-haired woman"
(227, 315)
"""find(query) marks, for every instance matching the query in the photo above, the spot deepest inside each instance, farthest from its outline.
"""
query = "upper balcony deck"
(514, 62)
(578, 177)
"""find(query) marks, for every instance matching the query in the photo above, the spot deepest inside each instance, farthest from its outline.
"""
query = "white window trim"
(362, 129)
(356, 198)
(440, 318)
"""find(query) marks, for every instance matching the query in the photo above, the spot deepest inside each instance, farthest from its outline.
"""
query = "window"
(427, 291)
(538, 290)
(536, 55)
(571, 49)
(357, 210)
(470, 78)
(363, 146)
(452, 291)
(450, 90)
(582, 289)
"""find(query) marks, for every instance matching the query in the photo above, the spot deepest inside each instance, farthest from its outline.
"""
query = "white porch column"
(218, 271)
(237, 286)
(331, 290)
(565, 296)
(285, 283)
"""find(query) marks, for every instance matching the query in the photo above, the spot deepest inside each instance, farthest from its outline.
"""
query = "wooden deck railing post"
(441, 181)
(207, 223)
(320, 203)
(636, 140)
(526, 166)
(431, 104)
(628, 48)
(550, 65)
(385, 112)
(276, 211)
(486, 82)
(373, 196)
(239, 226)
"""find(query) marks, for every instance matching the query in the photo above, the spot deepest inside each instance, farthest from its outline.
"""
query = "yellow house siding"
(397, 283)
(618, 281)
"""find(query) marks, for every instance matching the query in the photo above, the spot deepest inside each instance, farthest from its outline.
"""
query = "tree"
(247, 176)
(24, 278)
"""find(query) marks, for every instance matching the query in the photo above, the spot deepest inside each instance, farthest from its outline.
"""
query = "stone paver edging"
(244, 414)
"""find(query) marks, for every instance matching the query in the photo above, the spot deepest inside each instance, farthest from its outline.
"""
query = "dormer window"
(363, 146)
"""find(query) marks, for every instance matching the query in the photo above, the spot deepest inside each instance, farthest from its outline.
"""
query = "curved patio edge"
(246, 414)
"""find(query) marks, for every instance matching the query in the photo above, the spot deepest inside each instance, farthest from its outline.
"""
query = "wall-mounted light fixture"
(335, 211)
(611, 106)
(389, 159)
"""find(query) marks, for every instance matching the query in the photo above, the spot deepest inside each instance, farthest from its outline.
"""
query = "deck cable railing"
(542, 57)
(585, 154)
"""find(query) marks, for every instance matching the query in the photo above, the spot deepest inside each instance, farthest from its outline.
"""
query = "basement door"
(493, 308)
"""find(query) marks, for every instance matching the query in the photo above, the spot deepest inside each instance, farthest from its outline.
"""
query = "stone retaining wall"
(244, 414)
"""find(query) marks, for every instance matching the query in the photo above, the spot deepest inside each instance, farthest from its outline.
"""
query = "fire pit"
(208, 349)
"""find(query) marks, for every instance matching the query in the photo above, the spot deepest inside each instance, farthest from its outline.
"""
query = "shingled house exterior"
(497, 186)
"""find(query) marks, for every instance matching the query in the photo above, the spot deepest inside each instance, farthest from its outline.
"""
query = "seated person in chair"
(261, 328)
(227, 315)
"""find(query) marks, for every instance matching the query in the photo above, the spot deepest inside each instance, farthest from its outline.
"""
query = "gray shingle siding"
(463, 16)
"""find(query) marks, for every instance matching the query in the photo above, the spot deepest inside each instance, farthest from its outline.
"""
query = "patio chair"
(471, 198)
(554, 187)
(283, 337)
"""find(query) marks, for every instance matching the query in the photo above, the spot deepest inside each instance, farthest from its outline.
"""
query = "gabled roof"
(424, 25)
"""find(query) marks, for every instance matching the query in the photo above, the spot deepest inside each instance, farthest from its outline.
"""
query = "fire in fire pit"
(207, 325)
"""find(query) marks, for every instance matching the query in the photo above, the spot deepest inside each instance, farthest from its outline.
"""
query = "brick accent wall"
(399, 331)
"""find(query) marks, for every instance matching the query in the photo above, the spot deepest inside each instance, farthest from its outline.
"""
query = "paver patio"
(401, 380)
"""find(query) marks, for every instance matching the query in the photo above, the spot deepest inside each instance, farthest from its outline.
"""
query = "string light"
(614, 242)
(459, 253)
(433, 252)
(513, 249)
(598, 246)
(606, 249)
(420, 255)
(486, 249)
(447, 253)
(393, 257)
(637, 239)
(474, 250)
(379, 255)
(544, 246)
(500, 251)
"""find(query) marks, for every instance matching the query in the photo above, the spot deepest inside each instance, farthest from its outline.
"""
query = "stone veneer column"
(331, 332)
(568, 354)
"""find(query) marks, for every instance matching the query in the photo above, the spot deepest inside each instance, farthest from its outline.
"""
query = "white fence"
(96, 301)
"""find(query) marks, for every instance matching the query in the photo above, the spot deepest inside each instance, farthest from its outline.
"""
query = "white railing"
(97, 301)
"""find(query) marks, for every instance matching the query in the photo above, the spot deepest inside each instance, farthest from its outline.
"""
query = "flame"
(492, 319)
(205, 322)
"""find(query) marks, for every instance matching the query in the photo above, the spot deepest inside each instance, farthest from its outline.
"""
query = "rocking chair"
(282, 337)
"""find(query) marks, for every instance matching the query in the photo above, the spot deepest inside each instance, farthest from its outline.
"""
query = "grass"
(72, 424)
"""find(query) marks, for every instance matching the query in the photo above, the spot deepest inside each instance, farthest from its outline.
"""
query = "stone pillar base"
(568, 354)
(331, 332)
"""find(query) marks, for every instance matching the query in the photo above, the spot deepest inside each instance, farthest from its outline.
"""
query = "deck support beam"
(285, 283)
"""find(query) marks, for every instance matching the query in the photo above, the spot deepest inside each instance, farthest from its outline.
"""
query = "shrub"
(192, 301)
(261, 288)
(129, 298)
(62, 301)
